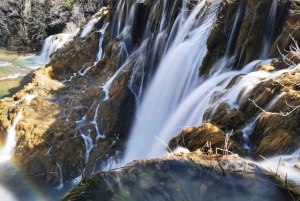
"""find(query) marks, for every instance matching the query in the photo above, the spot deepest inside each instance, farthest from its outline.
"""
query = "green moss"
(88, 189)
(69, 5)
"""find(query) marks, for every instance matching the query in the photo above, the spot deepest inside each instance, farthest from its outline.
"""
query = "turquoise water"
(15, 71)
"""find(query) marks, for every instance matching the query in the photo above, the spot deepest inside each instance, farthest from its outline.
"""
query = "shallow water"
(15, 71)
(15, 186)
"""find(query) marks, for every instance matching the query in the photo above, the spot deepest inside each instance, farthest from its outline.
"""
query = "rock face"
(192, 176)
(240, 32)
(26, 23)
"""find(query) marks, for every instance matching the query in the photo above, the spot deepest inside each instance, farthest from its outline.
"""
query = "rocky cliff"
(26, 23)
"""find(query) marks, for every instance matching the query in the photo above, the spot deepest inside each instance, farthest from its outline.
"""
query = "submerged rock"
(185, 176)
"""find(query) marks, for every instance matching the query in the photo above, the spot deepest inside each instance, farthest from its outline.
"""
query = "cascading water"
(156, 107)
(51, 44)
(173, 99)
(10, 143)
(87, 29)
(269, 36)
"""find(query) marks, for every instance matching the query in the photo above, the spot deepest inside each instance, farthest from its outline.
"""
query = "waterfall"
(51, 44)
(88, 28)
(269, 32)
(10, 142)
(175, 78)
(61, 183)
(86, 135)
(176, 97)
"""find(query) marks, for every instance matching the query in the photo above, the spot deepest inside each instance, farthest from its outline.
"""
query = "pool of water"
(15, 71)
(15, 186)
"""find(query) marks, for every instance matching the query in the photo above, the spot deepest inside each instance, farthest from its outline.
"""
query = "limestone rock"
(118, 111)
(196, 138)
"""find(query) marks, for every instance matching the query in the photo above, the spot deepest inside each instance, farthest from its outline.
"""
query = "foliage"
(69, 5)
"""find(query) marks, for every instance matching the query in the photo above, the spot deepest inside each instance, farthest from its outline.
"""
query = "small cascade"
(10, 142)
(139, 57)
(94, 122)
(49, 150)
(100, 52)
(113, 161)
(286, 166)
(51, 44)
(88, 28)
(122, 29)
(61, 183)
(86, 135)
(3, 64)
(83, 119)
(269, 31)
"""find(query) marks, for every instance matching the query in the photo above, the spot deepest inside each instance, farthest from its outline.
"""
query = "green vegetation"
(69, 5)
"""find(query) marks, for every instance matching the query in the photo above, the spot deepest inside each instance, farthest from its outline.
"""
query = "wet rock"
(107, 66)
(182, 176)
(118, 111)
(93, 92)
(277, 131)
(262, 95)
(196, 138)
(216, 43)
(74, 55)
(227, 120)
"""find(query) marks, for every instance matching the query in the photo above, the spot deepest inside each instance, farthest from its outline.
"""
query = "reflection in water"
(18, 187)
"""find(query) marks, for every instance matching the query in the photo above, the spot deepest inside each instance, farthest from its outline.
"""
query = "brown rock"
(118, 111)
(195, 138)
(227, 121)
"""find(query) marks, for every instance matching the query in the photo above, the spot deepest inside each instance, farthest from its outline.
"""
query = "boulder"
(185, 176)
(197, 138)
(227, 120)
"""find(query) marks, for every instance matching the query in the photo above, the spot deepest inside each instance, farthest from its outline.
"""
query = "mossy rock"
(185, 176)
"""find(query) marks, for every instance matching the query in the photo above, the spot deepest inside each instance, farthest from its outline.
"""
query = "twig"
(165, 144)
(278, 166)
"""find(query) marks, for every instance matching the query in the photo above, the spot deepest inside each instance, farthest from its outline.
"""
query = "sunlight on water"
(14, 72)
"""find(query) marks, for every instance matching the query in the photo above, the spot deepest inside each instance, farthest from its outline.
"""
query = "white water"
(86, 135)
(3, 63)
(286, 166)
(88, 28)
(61, 183)
(174, 100)
(269, 33)
(51, 44)
(10, 142)
(99, 56)
(173, 81)
(94, 122)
